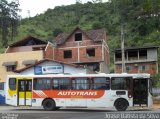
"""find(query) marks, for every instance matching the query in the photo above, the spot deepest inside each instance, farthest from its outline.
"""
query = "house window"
(132, 55)
(118, 56)
(78, 37)
(118, 67)
(143, 68)
(128, 68)
(90, 52)
(30, 42)
(11, 68)
(67, 54)
(142, 54)
(94, 66)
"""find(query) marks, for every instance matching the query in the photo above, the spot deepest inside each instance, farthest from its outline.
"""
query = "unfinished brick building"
(138, 60)
(88, 48)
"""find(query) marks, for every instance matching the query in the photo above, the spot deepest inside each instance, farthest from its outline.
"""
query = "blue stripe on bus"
(2, 99)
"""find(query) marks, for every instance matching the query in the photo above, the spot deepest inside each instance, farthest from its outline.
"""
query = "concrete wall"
(104, 68)
(152, 55)
(19, 57)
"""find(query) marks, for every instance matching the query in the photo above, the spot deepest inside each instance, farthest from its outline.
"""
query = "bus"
(84, 90)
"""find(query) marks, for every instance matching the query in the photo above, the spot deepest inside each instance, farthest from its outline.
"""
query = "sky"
(34, 7)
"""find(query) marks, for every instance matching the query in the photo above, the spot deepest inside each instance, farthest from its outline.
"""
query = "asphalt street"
(9, 112)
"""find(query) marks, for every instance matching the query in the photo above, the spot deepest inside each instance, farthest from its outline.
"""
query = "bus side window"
(80, 84)
(12, 83)
(64, 84)
(102, 83)
(42, 83)
(55, 84)
(120, 83)
(61, 83)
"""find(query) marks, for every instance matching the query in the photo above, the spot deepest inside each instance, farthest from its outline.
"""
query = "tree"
(8, 19)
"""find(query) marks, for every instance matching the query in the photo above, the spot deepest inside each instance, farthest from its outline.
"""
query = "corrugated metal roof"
(25, 62)
(11, 63)
(41, 61)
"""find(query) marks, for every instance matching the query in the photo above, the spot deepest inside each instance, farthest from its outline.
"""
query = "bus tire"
(121, 104)
(49, 104)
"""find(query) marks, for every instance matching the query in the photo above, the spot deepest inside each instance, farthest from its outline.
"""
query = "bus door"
(24, 91)
(140, 92)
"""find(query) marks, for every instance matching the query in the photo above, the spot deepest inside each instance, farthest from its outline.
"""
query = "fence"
(156, 91)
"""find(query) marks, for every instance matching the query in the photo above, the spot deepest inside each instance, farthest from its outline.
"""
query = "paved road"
(8, 112)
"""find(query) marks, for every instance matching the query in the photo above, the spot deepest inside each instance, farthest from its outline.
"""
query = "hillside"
(141, 23)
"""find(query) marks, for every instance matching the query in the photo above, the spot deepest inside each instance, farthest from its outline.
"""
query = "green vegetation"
(156, 80)
(140, 18)
(8, 20)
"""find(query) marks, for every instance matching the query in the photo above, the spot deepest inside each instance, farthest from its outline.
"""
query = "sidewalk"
(156, 102)
(156, 105)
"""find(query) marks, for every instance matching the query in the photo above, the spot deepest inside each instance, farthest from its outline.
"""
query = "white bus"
(86, 90)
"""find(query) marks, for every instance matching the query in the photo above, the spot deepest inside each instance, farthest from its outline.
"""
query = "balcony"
(134, 56)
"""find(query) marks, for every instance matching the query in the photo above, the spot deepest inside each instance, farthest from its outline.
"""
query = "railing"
(156, 91)
(133, 60)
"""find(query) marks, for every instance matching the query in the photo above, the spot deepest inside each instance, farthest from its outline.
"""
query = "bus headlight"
(130, 96)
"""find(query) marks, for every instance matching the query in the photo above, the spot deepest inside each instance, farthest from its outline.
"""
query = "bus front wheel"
(121, 104)
(49, 105)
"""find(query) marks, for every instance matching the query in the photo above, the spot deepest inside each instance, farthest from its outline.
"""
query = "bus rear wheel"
(49, 105)
(121, 104)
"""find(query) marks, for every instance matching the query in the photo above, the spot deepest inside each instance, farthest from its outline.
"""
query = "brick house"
(88, 48)
(137, 60)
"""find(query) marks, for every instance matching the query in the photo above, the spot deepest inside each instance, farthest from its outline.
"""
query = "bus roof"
(139, 75)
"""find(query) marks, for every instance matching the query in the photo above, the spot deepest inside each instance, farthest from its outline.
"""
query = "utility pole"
(28, 13)
(122, 49)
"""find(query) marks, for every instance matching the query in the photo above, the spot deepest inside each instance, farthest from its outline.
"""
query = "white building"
(49, 66)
